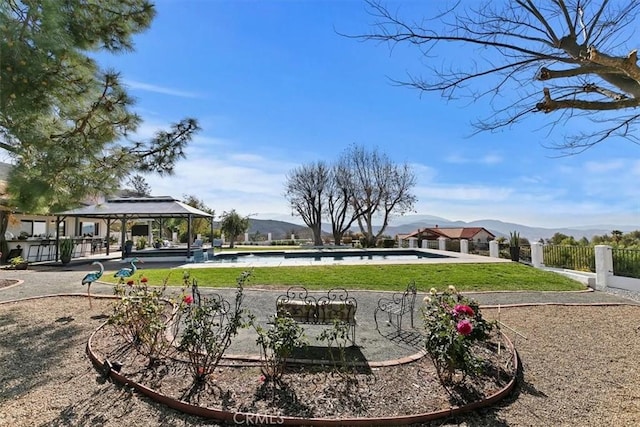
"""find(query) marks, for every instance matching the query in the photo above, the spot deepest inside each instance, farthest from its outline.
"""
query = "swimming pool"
(319, 257)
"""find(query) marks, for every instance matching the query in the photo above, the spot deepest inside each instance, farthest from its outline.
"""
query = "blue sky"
(274, 86)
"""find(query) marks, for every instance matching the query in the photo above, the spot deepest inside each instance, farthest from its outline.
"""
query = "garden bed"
(570, 353)
(310, 390)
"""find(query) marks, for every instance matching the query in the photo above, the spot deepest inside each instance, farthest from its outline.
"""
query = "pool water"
(319, 257)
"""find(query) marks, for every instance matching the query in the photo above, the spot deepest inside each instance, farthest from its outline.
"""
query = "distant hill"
(280, 230)
(409, 223)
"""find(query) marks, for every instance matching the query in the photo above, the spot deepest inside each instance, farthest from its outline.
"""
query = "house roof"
(137, 207)
(452, 232)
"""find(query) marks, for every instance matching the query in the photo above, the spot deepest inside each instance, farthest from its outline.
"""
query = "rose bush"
(453, 324)
(142, 315)
(208, 325)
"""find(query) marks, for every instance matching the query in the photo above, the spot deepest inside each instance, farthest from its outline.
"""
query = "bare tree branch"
(523, 44)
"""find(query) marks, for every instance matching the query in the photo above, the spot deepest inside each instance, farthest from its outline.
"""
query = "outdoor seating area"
(333, 306)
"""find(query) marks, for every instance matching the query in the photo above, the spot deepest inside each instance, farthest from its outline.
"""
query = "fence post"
(464, 246)
(494, 249)
(442, 243)
(537, 255)
(604, 265)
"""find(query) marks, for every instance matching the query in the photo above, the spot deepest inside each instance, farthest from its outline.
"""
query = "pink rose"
(464, 327)
(463, 309)
(188, 299)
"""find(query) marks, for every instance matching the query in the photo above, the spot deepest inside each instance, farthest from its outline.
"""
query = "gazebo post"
(211, 237)
(189, 236)
(57, 235)
(108, 236)
(123, 235)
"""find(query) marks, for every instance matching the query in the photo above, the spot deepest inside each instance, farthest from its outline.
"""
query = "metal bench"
(334, 306)
(397, 306)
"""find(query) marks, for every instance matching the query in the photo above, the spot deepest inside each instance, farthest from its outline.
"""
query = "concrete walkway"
(381, 346)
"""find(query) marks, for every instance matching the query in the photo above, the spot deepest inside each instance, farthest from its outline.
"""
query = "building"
(478, 235)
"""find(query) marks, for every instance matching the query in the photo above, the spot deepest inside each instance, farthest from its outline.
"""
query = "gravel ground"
(578, 362)
(578, 369)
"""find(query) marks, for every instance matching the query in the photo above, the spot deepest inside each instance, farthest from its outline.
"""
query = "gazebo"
(136, 208)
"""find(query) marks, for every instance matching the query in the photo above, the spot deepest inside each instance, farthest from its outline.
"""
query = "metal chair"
(397, 306)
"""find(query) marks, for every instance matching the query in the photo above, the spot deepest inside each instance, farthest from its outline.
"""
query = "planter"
(21, 266)
(66, 250)
(515, 253)
(128, 248)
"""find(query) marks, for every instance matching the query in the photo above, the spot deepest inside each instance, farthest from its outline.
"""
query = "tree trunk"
(317, 235)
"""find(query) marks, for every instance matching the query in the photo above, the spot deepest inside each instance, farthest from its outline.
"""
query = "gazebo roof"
(138, 207)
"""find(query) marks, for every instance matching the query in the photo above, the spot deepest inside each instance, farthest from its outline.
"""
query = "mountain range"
(281, 225)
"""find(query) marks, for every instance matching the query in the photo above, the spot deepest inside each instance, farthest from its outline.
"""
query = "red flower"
(262, 378)
(130, 282)
(200, 370)
(464, 327)
(463, 309)
(144, 280)
(188, 299)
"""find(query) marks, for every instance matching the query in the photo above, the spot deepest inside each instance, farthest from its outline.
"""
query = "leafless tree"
(564, 58)
(380, 188)
(340, 209)
(305, 190)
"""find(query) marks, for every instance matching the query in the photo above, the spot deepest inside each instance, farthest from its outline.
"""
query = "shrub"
(142, 316)
(514, 238)
(386, 243)
(453, 325)
(337, 336)
(141, 243)
(276, 344)
(66, 250)
(209, 325)
(15, 261)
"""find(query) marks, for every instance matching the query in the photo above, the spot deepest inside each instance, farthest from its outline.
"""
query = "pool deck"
(444, 257)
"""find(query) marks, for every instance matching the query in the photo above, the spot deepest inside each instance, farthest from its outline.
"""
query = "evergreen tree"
(64, 121)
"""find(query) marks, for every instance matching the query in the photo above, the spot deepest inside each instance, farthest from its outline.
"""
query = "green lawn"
(466, 277)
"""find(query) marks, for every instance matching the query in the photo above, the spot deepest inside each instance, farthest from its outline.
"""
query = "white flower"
(433, 291)
(452, 288)
(426, 300)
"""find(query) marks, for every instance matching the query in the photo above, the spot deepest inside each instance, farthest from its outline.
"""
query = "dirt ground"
(579, 368)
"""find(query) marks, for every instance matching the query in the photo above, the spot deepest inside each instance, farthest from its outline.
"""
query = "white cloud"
(136, 85)
(464, 193)
(487, 159)
(423, 172)
(610, 165)
(247, 157)
(252, 182)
